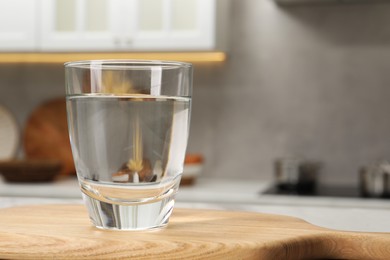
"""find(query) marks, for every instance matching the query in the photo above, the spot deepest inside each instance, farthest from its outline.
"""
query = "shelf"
(64, 56)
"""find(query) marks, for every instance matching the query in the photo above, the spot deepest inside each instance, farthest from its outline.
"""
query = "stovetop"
(320, 191)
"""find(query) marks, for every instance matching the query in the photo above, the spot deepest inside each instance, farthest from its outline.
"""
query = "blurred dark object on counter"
(193, 165)
(308, 176)
(374, 180)
(30, 170)
(46, 135)
(296, 175)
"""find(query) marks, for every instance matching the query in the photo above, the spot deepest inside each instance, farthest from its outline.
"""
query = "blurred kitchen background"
(307, 80)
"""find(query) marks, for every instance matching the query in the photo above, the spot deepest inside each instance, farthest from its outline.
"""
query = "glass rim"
(126, 63)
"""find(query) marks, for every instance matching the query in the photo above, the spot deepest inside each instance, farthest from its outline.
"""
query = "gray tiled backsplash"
(309, 81)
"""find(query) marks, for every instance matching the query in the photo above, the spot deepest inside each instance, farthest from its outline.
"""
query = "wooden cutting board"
(46, 135)
(64, 232)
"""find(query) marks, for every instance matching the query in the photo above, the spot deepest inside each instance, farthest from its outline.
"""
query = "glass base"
(130, 217)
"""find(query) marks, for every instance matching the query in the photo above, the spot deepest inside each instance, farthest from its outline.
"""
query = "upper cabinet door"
(93, 25)
(171, 25)
(79, 25)
(18, 21)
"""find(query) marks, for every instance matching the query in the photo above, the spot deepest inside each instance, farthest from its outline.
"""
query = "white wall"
(309, 81)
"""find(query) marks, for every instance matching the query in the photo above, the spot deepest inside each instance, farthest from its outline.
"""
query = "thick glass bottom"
(143, 216)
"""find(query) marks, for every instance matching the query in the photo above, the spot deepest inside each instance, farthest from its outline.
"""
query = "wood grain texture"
(64, 232)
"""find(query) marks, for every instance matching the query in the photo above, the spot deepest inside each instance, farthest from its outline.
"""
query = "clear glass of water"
(128, 126)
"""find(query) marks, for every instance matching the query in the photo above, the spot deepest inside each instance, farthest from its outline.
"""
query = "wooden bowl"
(193, 165)
(30, 170)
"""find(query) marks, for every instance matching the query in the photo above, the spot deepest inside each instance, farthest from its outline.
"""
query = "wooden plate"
(9, 134)
(64, 232)
(46, 135)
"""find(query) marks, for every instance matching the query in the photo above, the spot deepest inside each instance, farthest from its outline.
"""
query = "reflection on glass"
(151, 15)
(184, 14)
(65, 15)
(96, 15)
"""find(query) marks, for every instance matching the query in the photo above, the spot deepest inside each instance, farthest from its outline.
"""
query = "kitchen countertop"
(355, 214)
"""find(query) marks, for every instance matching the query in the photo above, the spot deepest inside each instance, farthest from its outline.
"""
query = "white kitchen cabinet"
(93, 25)
(78, 25)
(18, 25)
(176, 24)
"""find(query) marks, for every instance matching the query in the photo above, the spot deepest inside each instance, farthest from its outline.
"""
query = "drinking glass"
(128, 127)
